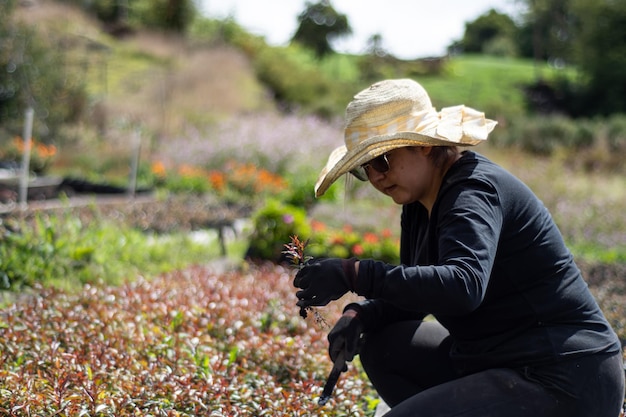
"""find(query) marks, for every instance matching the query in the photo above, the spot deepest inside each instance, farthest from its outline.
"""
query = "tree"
(548, 30)
(170, 15)
(35, 72)
(319, 24)
(125, 15)
(375, 45)
(8, 86)
(492, 28)
(599, 50)
(590, 35)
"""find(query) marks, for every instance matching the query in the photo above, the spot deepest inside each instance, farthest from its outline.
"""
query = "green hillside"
(167, 82)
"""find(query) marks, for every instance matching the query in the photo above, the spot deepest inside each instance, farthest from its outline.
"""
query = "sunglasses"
(379, 164)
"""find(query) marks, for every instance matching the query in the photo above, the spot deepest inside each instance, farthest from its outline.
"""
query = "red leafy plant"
(189, 343)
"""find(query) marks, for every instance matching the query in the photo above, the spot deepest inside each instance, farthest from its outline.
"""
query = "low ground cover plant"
(64, 250)
(193, 342)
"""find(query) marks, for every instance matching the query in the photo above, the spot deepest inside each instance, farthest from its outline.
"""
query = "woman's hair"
(440, 155)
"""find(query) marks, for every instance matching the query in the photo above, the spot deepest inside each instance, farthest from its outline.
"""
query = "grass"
(490, 84)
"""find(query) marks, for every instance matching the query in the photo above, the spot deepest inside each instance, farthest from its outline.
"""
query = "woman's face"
(411, 176)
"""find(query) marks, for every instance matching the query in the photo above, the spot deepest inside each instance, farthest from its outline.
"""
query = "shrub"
(38, 73)
(616, 133)
(347, 242)
(502, 46)
(274, 224)
(39, 253)
(587, 144)
(300, 190)
(277, 223)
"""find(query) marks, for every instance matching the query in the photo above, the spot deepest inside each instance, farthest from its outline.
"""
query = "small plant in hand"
(294, 250)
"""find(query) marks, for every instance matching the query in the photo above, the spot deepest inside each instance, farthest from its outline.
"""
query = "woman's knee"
(404, 345)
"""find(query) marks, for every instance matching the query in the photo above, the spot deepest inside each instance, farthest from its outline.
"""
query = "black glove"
(324, 280)
(345, 336)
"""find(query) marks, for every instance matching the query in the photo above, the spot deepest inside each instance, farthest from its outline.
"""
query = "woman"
(516, 331)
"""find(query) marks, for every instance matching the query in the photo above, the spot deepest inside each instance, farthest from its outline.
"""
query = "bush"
(300, 190)
(616, 133)
(40, 76)
(543, 135)
(293, 84)
(274, 225)
(347, 243)
(502, 46)
(235, 183)
(596, 143)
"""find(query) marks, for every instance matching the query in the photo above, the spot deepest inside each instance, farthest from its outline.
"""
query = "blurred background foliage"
(561, 56)
(202, 93)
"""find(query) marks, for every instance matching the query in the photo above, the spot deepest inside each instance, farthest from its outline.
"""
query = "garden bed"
(146, 212)
(205, 342)
(198, 212)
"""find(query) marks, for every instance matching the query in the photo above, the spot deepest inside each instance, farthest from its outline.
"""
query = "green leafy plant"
(300, 190)
(62, 250)
(274, 224)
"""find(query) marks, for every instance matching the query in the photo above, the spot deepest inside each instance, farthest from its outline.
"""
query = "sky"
(409, 28)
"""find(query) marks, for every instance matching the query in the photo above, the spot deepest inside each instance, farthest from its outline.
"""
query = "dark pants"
(409, 365)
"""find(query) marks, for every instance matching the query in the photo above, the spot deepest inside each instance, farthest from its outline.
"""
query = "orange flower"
(158, 169)
(217, 180)
(357, 250)
(45, 151)
(190, 171)
(19, 144)
(41, 149)
(370, 238)
(317, 226)
(386, 233)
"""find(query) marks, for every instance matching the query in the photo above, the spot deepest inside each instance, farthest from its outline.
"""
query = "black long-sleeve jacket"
(491, 266)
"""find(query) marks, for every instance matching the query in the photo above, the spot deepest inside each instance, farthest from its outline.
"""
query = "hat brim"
(342, 161)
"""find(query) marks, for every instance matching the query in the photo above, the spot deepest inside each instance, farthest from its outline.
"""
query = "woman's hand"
(324, 280)
(345, 336)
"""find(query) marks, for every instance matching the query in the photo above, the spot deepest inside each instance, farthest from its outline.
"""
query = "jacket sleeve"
(464, 243)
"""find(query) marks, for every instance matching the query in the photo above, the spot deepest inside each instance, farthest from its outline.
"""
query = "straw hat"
(397, 113)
